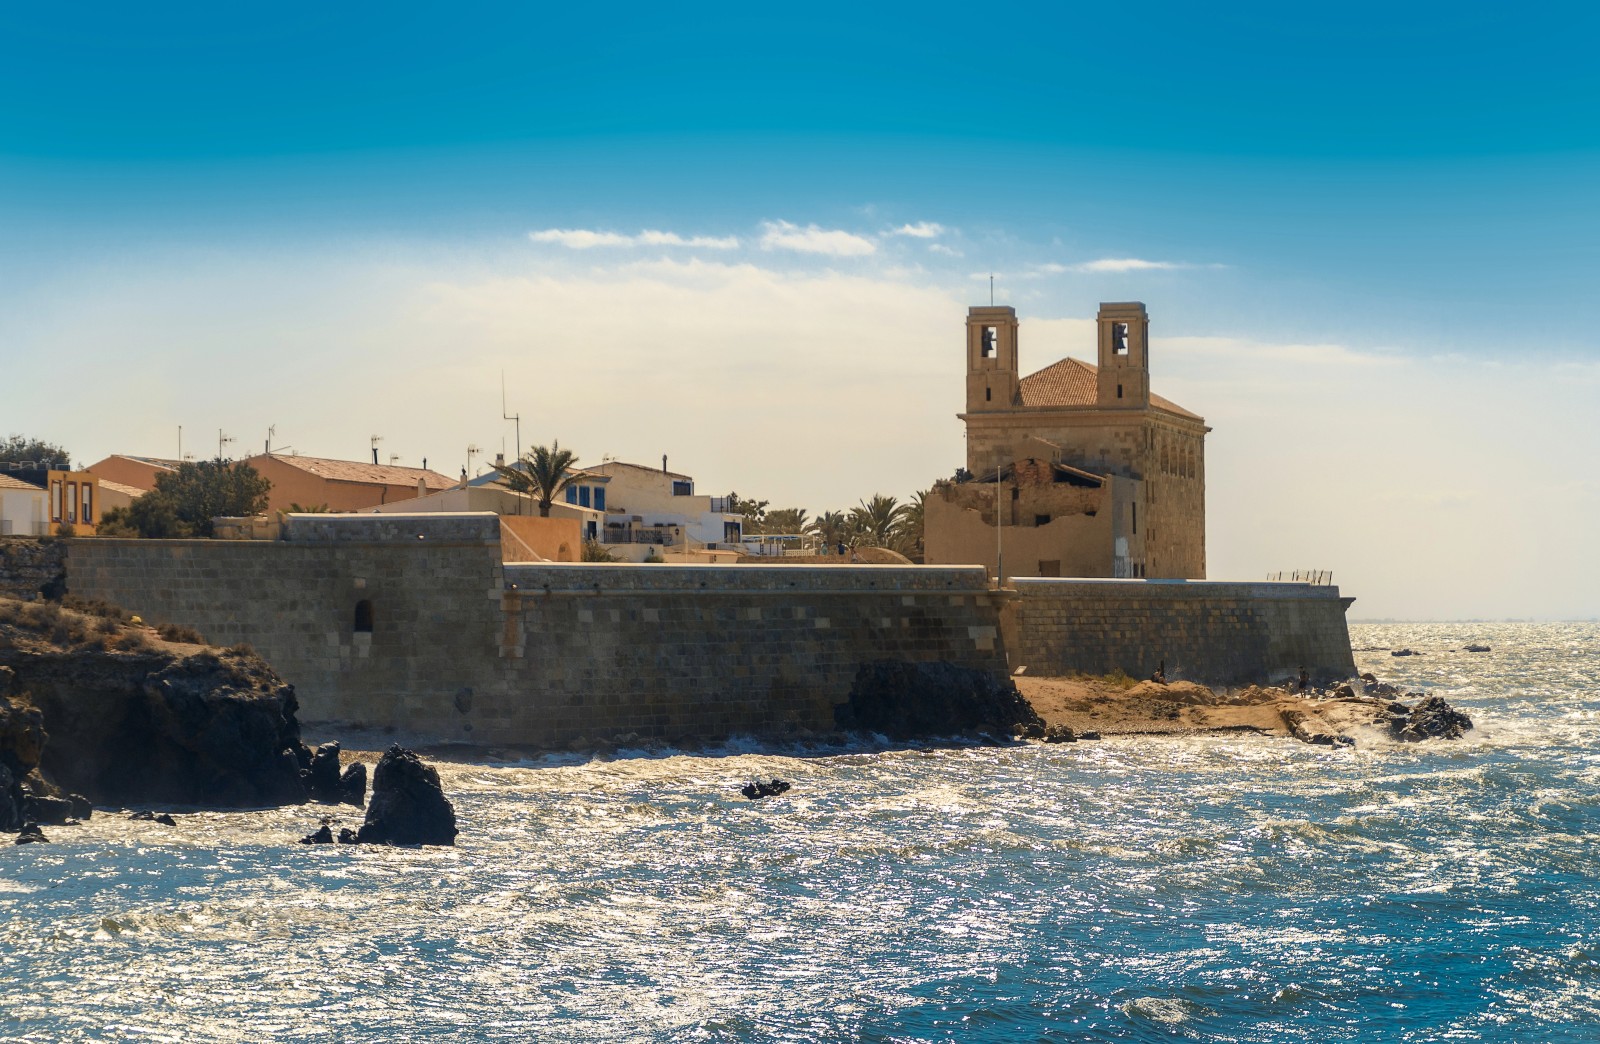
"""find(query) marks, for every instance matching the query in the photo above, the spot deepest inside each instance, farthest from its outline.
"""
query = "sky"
(747, 238)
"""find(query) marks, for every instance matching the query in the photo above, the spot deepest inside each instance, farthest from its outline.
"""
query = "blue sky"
(372, 197)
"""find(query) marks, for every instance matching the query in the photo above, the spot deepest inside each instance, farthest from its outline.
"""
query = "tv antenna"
(991, 289)
(509, 416)
(272, 429)
(222, 440)
(473, 449)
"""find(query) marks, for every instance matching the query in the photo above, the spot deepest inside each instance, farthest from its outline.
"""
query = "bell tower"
(991, 358)
(1124, 355)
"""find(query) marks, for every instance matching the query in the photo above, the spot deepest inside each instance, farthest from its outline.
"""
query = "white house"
(23, 508)
(654, 506)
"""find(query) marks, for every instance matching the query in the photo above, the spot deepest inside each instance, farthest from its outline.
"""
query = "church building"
(1090, 473)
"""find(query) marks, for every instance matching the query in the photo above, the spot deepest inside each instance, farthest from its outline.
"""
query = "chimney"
(663, 463)
(463, 483)
(374, 454)
(499, 460)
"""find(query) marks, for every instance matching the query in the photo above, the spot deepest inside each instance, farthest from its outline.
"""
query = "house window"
(599, 498)
(988, 395)
(72, 502)
(363, 621)
(1119, 391)
(87, 513)
(583, 496)
(572, 494)
(1135, 508)
(55, 501)
(682, 489)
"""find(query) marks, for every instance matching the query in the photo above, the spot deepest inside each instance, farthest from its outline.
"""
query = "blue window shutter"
(600, 498)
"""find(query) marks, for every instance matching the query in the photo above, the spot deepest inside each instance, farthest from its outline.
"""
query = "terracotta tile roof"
(9, 482)
(1072, 382)
(123, 488)
(160, 462)
(1066, 383)
(361, 471)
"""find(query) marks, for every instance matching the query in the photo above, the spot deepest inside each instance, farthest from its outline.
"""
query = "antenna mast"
(508, 416)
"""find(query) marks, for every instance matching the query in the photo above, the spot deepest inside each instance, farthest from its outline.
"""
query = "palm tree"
(830, 528)
(875, 520)
(544, 472)
(907, 535)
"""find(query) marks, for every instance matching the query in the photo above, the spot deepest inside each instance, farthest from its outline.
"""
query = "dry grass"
(180, 634)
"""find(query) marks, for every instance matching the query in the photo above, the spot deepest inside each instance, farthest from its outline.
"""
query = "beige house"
(1094, 474)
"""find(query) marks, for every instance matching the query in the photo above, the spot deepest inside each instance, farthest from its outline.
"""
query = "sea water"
(1216, 888)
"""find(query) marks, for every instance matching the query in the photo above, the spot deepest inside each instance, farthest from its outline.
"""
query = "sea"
(1212, 888)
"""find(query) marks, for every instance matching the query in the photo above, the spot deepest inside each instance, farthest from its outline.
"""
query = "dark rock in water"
(904, 700)
(323, 836)
(322, 778)
(11, 797)
(47, 811)
(755, 789)
(1089, 735)
(353, 785)
(81, 808)
(1060, 734)
(1032, 730)
(31, 835)
(1433, 718)
(150, 726)
(1476, 648)
(1344, 691)
(1405, 652)
(408, 806)
(347, 836)
(154, 817)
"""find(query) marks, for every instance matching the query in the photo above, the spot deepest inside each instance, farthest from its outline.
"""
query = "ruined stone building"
(1093, 474)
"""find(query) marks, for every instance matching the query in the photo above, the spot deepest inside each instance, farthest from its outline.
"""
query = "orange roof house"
(341, 485)
(138, 472)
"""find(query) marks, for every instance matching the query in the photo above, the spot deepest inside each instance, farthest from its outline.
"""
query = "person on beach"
(1160, 677)
(1305, 679)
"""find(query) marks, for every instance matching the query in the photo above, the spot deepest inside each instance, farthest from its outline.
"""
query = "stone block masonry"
(31, 568)
(414, 622)
(1215, 633)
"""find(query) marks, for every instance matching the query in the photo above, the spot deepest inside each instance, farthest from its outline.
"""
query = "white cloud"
(921, 230)
(585, 239)
(1125, 264)
(940, 248)
(781, 235)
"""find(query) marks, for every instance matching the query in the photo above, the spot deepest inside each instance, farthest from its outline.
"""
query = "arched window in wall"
(363, 623)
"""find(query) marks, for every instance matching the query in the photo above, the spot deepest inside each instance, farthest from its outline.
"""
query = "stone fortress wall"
(415, 623)
(464, 648)
(1213, 632)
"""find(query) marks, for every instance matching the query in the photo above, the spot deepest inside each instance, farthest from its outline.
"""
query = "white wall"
(22, 512)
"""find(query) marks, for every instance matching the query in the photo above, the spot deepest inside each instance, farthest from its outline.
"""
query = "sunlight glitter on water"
(1233, 888)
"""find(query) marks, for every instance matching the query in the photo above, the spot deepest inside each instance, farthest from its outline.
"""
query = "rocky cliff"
(93, 702)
